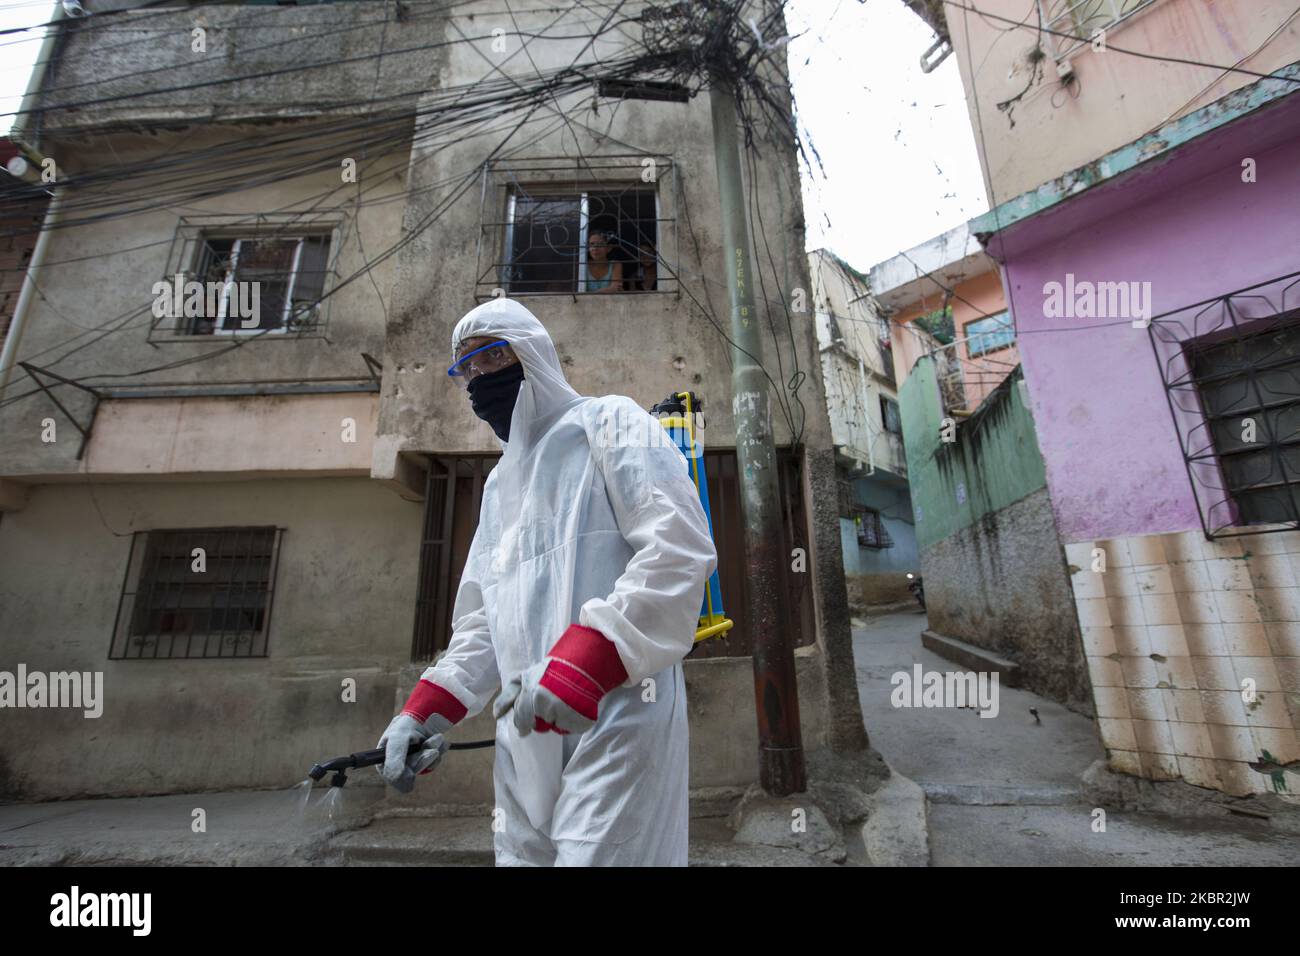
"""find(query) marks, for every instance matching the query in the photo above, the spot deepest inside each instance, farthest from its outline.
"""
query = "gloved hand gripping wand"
(371, 758)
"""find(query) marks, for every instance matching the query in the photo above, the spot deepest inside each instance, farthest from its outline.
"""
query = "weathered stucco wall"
(1113, 458)
(255, 65)
(993, 564)
(250, 436)
(644, 346)
(992, 462)
(1001, 584)
(94, 320)
(343, 608)
(1055, 130)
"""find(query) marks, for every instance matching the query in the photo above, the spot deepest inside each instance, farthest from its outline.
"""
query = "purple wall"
(1194, 230)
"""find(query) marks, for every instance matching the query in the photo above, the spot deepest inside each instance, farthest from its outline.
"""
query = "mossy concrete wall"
(994, 567)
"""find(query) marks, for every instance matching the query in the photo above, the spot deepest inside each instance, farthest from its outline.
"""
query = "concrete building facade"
(1148, 379)
(321, 465)
(950, 281)
(876, 526)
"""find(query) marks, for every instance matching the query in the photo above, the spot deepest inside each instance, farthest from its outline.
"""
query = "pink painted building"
(1155, 287)
(949, 274)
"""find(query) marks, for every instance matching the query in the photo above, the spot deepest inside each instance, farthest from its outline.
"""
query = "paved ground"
(265, 828)
(280, 828)
(1002, 791)
(1006, 790)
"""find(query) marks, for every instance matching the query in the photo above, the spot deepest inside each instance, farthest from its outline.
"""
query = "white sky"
(897, 146)
(899, 156)
(18, 51)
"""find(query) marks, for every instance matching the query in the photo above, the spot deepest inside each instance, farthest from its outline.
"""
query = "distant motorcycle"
(917, 588)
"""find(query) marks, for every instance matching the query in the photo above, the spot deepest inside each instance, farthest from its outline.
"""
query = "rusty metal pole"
(780, 744)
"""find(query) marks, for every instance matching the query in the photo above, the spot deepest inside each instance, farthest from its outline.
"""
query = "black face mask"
(493, 396)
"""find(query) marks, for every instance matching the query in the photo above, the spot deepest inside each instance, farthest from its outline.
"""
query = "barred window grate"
(1231, 370)
(293, 258)
(871, 530)
(560, 227)
(197, 593)
(1083, 18)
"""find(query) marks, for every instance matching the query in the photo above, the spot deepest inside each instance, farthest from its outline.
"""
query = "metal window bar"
(1224, 361)
(1083, 18)
(448, 529)
(163, 599)
(871, 530)
(538, 242)
(955, 372)
(310, 248)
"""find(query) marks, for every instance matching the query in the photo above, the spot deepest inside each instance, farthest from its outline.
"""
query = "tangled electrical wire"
(693, 45)
(704, 43)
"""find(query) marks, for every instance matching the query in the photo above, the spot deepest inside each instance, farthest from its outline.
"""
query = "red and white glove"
(562, 694)
(429, 713)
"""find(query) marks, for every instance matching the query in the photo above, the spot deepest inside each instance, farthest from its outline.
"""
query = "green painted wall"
(994, 461)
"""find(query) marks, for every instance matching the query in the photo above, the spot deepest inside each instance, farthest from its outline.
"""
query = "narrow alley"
(1008, 791)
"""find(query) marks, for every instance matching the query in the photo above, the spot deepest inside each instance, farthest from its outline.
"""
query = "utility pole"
(776, 695)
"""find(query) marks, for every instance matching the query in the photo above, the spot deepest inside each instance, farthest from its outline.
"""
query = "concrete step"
(972, 657)
(981, 795)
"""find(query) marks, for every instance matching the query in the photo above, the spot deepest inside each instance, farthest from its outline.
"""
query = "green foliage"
(939, 324)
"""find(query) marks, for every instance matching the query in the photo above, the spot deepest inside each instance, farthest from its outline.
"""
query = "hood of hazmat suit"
(591, 518)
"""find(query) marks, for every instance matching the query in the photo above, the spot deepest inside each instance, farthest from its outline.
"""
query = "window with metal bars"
(1083, 18)
(584, 241)
(1249, 390)
(197, 593)
(871, 530)
(290, 273)
(560, 226)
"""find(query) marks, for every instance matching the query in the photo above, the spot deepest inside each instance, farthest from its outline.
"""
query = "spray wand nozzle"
(341, 765)
(370, 758)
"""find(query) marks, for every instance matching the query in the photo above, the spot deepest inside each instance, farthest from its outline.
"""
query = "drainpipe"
(866, 417)
(9, 356)
(19, 131)
(20, 167)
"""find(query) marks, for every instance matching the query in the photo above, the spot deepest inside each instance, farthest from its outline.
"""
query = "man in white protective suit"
(579, 599)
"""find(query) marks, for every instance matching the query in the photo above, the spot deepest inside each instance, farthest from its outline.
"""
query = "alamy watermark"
(55, 689)
(1083, 299)
(75, 908)
(921, 688)
(178, 298)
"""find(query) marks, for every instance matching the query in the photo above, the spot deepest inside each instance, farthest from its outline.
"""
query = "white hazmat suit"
(586, 519)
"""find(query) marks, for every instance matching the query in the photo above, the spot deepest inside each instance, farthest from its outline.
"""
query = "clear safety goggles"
(489, 358)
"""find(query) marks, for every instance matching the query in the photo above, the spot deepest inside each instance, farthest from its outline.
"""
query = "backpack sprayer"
(677, 414)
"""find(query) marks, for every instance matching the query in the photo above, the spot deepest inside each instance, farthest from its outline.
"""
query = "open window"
(283, 276)
(598, 225)
(583, 241)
